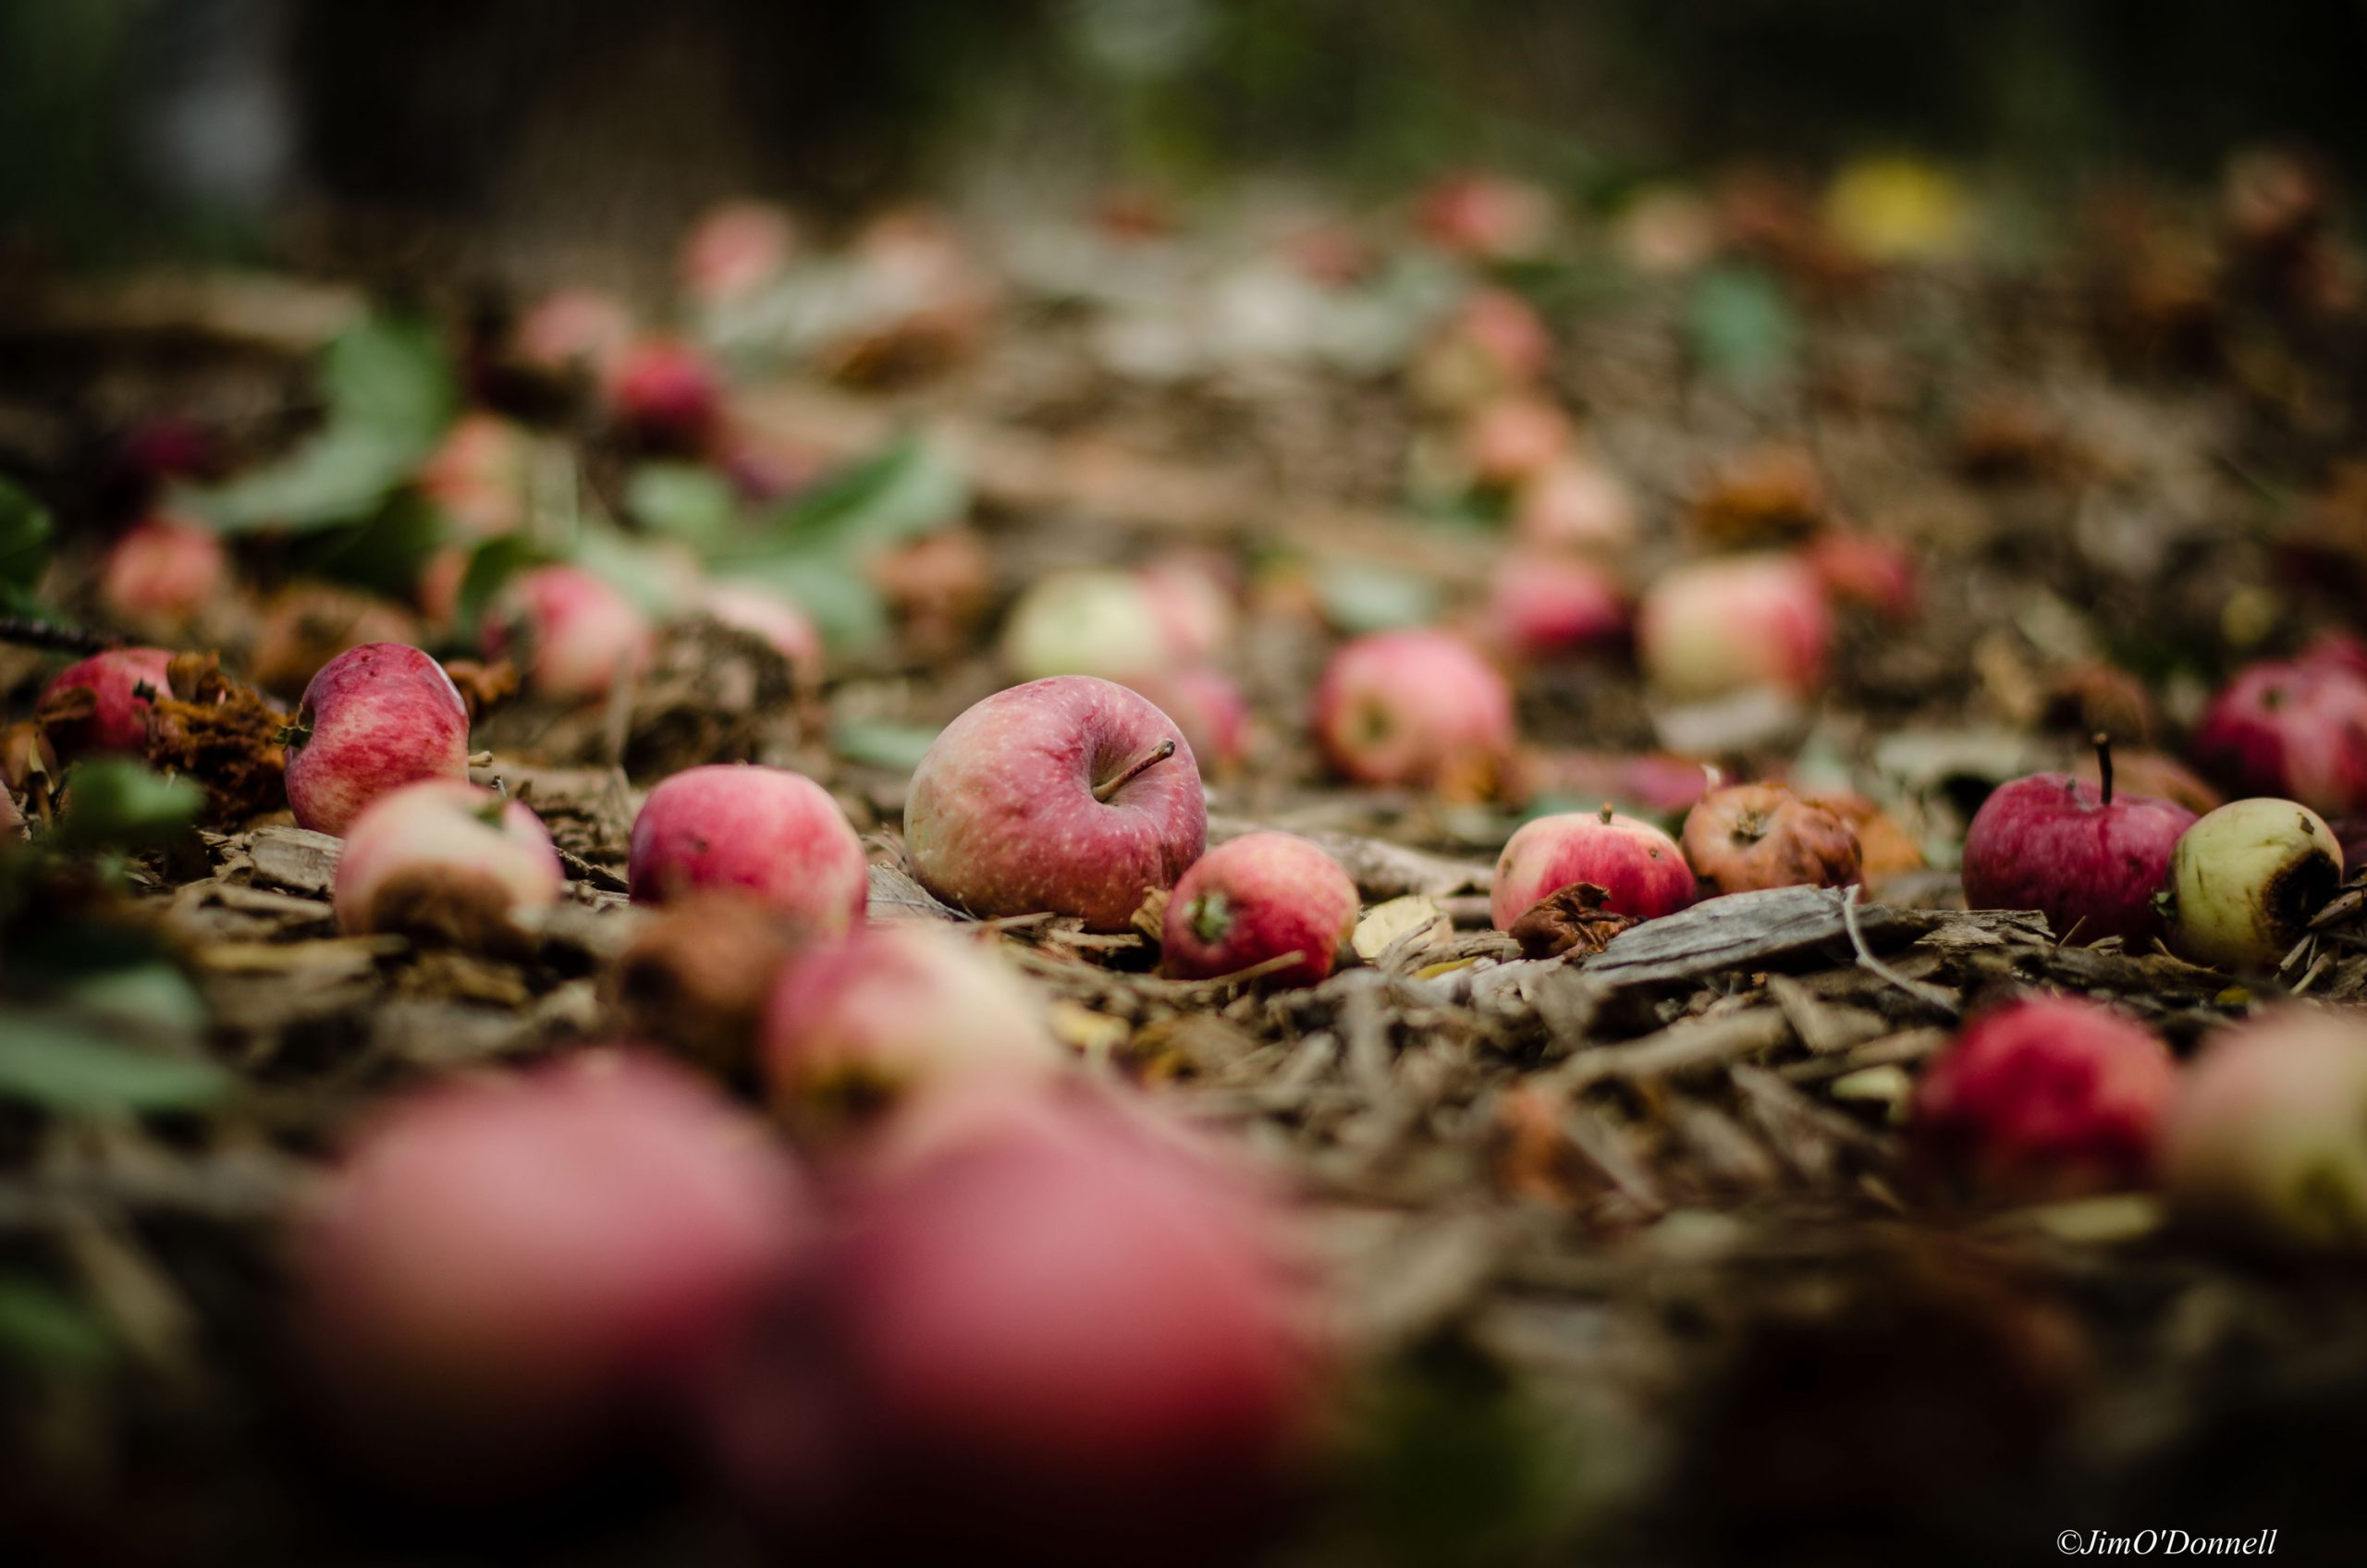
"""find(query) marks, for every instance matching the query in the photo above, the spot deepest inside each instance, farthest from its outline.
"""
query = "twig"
(598, 876)
(24, 629)
(1932, 994)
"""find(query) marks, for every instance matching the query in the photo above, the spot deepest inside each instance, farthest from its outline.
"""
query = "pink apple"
(762, 830)
(775, 617)
(574, 635)
(1256, 899)
(478, 476)
(2089, 859)
(2267, 1141)
(665, 394)
(1748, 837)
(1070, 795)
(1487, 217)
(1416, 707)
(1867, 571)
(858, 1027)
(1207, 706)
(163, 571)
(114, 678)
(1543, 604)
(2295, 729)
(1732, 623)
(1575, 506)
(1068, 1345)
(1514, 439)
(2048, 1098)
(734, 250)
(1193, 600)
(445, 859)
(503, 1268)
(572, 330)
(1637, 865)
(376, 718)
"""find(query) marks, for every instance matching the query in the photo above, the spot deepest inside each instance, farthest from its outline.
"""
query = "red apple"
(1255, 899)
(445, 859)
(1640, 867)
(1416, 707)
(734, 250)
(1867, 571)
(1576, 505)
(665, 394)
(1070, 795)
(2090, 860)
(766, 831)
(574, 635)
(2267, 1141)
(1067, 1345)
(376, 718)
(478, 476)
(2293, 729)
(771, 615)
(503, 1268)
(1748, 837)
(114, 678)
(858, 1027)
(163, 571)
(1542, 605)
(1732, 623)
(2047, 1097)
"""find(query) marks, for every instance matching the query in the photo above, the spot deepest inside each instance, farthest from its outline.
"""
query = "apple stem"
(1606, 812)
(2104, 764)
(1134, 769)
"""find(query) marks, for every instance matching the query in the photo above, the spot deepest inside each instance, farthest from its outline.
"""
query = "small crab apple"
(1747, 837)
(2047, 1097)
(503, 1270)
(1254, 900)
(1514, 439)
(1542, 605)
(766, 831)
(1065, 1343)
(1867, 571)
(163, 571)
(575, 635)
(447, 860)
(118, 717)
(1415, 707)
(1091, 621)
(735, 248)
(2293, 729)
(772, 615)
(1070, 795)
(856, 1028)
(1487, 217)
(2245, 879)
(1726, 625)
(1575, 505)
(2267, 1140)
(665, 394)
(2090, 860)
(1640, 869)
(375, 718)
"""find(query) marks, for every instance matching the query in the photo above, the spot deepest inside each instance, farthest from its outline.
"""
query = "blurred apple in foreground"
(2267, 1141)
(1070, 794)
(2089, 859)
(766, 832)
(1729, 624)
(666, 395)
(1416, 707)
(1640, 868)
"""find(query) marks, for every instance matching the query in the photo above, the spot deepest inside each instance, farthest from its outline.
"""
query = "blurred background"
(537, 133)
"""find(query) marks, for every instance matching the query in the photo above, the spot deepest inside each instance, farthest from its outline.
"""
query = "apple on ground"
(1734, 623)
(666, 395)
(1099, 621)
(1748, 837)
(734, 250)
(1539, 606)
(1070, 795)
(770, 614)
(1640, 869)
(1576, 505)
(119, 716)
(574, 635)
(2089, 859)
(1416, 707)
(1514, 439)
(1486, 217)
(445, 860)
(2245, 879)
(163, 571)
(769, 833)
(2296, 730)
(1256, 899)
(306, 625)
(375, 718)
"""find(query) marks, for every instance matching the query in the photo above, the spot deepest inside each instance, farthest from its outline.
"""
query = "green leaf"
(42, 1325)
(26, 529)
(845, 608)
(895, 747)
(67, 1067)
(1741, 325)
(115, 803)
(689, 502)
(392, 376)
(493, 564)
(153, 1001)
(906, 491)
(1359, 596)
(384, 554)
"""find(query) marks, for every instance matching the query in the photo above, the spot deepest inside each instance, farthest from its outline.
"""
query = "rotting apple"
(1747, 837)
(446, 861)
(765, 832)
(376, 718)
(2245, 879)
(2090, 860)
(1070, 795)
(2045, 1097)
(1416, 707)
(1640, 869)
(1257, 899)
